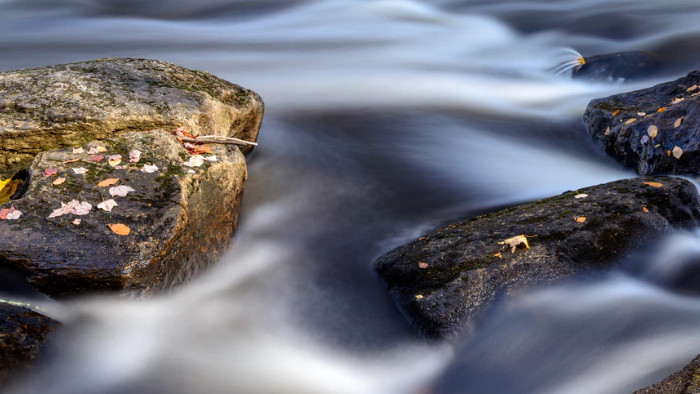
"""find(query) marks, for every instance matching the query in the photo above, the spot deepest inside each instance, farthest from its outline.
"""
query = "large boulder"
(685, 381)
(445, 280)
(71, 104)
(654, 130)
(22, 335)
(179, 217)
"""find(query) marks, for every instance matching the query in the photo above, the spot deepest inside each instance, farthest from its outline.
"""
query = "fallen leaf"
(654, 184)
(515, 241)
(607, 131)
(653, 131)
(422, 265)
(114, 160)
(149, 168)
(96, 158)
(677, 152)
(630, 121)
(191, 172)
(119, 229)
(108, 182)
(581, 195)
(107, 205)
(678, 122)
(77, 221)
(181, 132)
(194, 161)
(8, 188)
(211, 158)
(50, 172)
(74, 207)
(101, 149)
(6, 211)
(77, 151)
(120, 191)
(662, 109)
(80, 170)
(71, 161)
(641, 113)
(668, 152)
(419, 296)
(645, 209)
(690, 89)
(499, 255)
(616, 112)
(58, 181)
(13, 215)
(580, 219)
(135, 156)
(677, 100)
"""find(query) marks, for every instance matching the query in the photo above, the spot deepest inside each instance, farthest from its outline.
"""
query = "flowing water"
(384, 118)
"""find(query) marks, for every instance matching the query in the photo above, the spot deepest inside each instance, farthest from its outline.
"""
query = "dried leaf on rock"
(653, 131)
(149, 168)
(181, 132)
(80, 170)
(514, 242)
(616, 112)
(77, 151)
(119, 229)
(8, 188)
(580, 219)
(58, 181)
(114, 160)
(135, 156)
(645, 209)
(630, 121)
(50, 172)
(678, 122)
(108, 182)
(77, 221)
(662, 109)
(120, 191)
(422, 265)
(211, 158)
(581, 195)
(677, 152)
(107, 205)
(74, 207)
(96, 158)
(654, 184)
(194, 161)
(14, 215)
(6, 211)
(677, 100)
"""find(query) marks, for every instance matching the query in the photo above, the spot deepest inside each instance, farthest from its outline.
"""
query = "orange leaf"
(581, 219)
(119, 229)
(645, 209)
(617, 111)
(654, 184)
(108, 182)
(662, 109)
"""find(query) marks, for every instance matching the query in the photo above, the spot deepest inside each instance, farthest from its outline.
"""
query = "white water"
(383, 118)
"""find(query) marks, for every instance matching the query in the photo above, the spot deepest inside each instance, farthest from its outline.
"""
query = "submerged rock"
(685, 381)
(71, 104)
(178, 217)
(624, 66)
(443, 281)
(655, 130)
(22, 334)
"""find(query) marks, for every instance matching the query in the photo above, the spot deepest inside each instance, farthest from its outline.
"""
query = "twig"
(217, 139)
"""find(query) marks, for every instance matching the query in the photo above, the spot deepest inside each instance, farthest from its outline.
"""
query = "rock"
(443, 281)
(22, 334)
(71, 104)
(685, 381)
(634, 132)
(180, 218)
(623, 66)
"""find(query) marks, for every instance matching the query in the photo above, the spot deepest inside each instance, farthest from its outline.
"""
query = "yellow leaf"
(515, 242)
(499, 255)
(654, 184)
(119, 229)
(114, 162)
(630, 121)
(8, 187)
(108, 182)
(580, 219)
(419, 296)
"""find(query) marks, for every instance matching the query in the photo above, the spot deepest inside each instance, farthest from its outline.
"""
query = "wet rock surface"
(22, 334)
(654, 130)
(179, 217)
(685, 381)
(71, 104)
(443, 281)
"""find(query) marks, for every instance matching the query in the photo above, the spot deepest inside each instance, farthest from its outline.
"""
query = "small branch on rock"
(216, 139)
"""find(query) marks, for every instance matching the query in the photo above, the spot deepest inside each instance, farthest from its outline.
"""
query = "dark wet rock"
(71, 104)
(624, 124)
(22, 334)
(624, 66)
(685, 381)
(181, 218)
(445, 280)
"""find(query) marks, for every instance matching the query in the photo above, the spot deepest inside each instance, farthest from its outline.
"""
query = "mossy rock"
(445, 280)
(181, 218)
(71, 104)
(685, 381)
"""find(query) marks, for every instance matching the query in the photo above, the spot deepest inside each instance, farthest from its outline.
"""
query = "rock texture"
(685, 381)
(180, 217)
(655, 130)
(22, 333)
(443, 281)
(71, 104)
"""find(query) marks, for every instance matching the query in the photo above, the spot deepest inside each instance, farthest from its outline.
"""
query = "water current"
(384, 118)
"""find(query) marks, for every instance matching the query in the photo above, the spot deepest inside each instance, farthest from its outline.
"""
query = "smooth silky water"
(383, 120)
